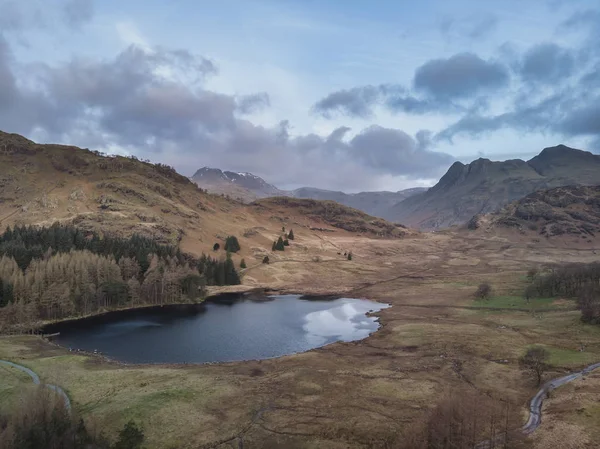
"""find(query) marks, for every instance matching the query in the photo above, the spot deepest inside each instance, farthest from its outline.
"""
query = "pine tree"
(266, 259)
(274, 247)
(286, 242)
(291, 234)
(243, 264)
(349, 256)
(279, 246)
(231, 244)
(216, 247)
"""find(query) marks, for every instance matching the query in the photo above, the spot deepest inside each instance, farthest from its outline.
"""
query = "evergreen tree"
(286, 242)
(231, 276)
(349, 256)
(274, 247)
(279, 246)
(243, 264)
(266, 259)
(231, 244)
(291, 234)
(216, 247)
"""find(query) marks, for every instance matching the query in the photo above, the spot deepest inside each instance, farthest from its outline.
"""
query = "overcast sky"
(348, 95)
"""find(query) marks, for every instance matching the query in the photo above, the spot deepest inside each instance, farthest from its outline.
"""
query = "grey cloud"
(78, 12)
(460, 76)
(137, 102)
(248, 104)
(547, 63)
(338, 134)
(584, 120)
(355, 102)
(392, 151)
(360, 101)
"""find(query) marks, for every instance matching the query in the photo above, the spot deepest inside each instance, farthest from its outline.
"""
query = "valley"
(436, 341)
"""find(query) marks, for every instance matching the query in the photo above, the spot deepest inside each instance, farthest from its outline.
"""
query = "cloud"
(154, 103)
(547, 63)
(355, 102)
(460, 76)
(360, 102)
(248, 104)
(392, 151)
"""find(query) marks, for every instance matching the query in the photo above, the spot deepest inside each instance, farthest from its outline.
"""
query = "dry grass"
(359, 394)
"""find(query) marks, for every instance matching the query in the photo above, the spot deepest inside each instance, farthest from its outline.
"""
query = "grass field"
(434, 339)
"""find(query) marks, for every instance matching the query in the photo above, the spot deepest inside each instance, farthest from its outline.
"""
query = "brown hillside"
(332, 214)
(42, 184)
(562, 211)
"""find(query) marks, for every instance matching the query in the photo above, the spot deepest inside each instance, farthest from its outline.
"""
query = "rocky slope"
(570, 210)
(484, 186)
(242, 186)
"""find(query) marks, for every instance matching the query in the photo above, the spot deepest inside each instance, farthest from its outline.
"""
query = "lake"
(222, 330)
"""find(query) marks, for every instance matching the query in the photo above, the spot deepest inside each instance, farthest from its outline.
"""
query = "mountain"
(569, 210)
(373, 203)
(244, 186)
(248, 187)
(485, 186)
(44, 184)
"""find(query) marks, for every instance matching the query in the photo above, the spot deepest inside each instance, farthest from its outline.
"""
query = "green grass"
(518, 302)
(562, 357)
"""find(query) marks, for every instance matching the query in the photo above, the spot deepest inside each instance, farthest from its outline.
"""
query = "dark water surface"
(240, 329)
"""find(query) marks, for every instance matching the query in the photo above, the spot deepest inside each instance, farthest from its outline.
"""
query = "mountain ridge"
(484, 186)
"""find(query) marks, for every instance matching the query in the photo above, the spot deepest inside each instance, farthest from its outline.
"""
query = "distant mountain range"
(484, 186)
(481, 187)
(248, 187)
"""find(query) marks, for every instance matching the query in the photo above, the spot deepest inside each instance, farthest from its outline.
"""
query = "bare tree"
(535, 362)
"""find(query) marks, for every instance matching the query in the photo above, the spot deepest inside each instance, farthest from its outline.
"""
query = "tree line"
(581, 281)
(58, 272)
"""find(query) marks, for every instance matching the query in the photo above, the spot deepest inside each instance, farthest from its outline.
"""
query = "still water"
(223, 330)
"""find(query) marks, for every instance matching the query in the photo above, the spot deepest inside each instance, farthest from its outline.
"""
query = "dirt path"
(36, 380)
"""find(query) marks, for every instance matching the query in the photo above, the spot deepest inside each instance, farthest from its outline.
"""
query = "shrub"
(286, 242)
(216, 247)
(243, 264)
(131, 437)
(231, 244)
(291, 234)
(266, 259)
(349, 256)
(484, 291)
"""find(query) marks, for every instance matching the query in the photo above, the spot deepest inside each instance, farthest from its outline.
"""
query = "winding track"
(36, 380)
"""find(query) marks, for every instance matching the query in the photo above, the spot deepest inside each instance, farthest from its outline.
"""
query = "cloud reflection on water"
(346, 322)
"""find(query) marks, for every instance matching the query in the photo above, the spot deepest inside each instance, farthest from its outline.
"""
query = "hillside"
(484, 186)
(43, 184)
(331, 214)
(571, 210)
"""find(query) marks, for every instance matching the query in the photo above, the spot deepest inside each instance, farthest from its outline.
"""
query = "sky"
(348, 95)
